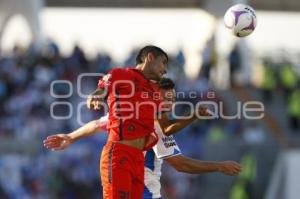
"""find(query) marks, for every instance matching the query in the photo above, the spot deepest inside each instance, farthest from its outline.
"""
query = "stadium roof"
(282, 5)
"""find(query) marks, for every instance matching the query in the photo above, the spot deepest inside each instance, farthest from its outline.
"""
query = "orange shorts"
(122, 171)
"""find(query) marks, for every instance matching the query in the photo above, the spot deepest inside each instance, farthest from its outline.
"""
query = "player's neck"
(143, 70)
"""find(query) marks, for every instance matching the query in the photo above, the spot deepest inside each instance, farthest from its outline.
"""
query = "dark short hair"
(166, 83)
(156, 51)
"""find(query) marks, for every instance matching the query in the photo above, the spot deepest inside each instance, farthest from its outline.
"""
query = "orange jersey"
(133, 102)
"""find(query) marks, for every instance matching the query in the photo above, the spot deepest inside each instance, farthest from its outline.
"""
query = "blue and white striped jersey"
(165, 147)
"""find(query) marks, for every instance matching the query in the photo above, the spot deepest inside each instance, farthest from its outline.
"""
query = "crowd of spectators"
(281, 80)
(26, 101)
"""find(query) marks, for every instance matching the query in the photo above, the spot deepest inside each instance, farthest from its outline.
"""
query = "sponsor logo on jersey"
(168, 141)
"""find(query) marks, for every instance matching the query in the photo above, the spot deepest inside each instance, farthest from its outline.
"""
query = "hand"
(93, 102)
(202, 111)
(57, 142)
(230, 168)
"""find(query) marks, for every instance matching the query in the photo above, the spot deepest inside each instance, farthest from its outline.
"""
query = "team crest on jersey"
(122, 160)
(131, 127)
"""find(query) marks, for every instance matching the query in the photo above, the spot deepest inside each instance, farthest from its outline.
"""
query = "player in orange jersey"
(132, 108)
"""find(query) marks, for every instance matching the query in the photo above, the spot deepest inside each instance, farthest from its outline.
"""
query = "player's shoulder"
(117, 69)
(154, 85)
(121, 71)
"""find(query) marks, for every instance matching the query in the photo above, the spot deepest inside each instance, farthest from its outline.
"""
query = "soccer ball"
(240, 19)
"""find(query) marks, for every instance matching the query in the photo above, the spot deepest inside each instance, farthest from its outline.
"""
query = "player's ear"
(150, 57)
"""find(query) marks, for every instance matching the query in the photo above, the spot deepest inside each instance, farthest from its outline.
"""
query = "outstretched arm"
(172, 126)
(88, 129)
(193, 166)
(62, 141)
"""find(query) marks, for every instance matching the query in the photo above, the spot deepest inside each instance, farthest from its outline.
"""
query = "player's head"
(167, 92)
(154, 60)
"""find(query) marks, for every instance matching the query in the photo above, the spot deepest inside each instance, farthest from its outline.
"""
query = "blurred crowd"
(30, 171)
(282, 80)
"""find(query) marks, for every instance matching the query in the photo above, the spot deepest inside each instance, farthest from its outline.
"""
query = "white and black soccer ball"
(240, 19)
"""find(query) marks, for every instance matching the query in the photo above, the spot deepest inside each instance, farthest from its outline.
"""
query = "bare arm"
(172, 126)
(62, 141)
(193, 166)
(88, 129)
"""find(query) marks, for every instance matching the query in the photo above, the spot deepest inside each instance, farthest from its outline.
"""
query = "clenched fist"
(230, 168)
(93, 102)
(203, 111)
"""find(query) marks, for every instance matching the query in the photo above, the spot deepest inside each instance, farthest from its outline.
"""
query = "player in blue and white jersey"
(167, 149)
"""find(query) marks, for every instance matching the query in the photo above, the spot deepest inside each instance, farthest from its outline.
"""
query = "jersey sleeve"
(166, 147)
(113, 76)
